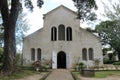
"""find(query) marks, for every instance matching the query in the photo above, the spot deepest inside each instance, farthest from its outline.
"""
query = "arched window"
(69, 34)
(84, 54)
(91, 54)
(61, 32)
(32, 54)
(53, 34)
(38, 54)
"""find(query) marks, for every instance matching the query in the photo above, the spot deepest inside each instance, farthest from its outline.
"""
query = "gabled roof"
(39, 30)
(60, 7)
(97, 37)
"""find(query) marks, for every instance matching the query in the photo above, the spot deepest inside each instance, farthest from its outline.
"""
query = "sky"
(36, 18)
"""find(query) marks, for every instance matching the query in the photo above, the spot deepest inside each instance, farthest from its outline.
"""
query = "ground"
(63, 74)
(107, 78)
(34, 77)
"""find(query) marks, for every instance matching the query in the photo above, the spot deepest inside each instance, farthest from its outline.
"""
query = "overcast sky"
(36, 18)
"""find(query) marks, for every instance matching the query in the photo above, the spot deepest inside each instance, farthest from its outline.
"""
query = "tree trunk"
(9, 21)
(9, 50)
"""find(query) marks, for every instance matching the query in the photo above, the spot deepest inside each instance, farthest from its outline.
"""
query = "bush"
(1, 55)
(108, 61)
(1, 65)
(81, 65)
(116, 63)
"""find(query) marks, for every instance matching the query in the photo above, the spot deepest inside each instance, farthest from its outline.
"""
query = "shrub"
(81, 65)
(18, 59)
(108, 61)
(116, 63)
(1, 55)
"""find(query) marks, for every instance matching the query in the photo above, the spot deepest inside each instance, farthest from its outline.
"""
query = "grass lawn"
(18, 75)
(103, 74)
(75, 75)
(98, 74)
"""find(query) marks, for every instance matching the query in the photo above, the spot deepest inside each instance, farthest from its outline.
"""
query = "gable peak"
(61, 6)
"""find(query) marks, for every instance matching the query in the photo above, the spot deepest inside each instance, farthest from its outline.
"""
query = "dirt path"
(107, 78)
(34, 77)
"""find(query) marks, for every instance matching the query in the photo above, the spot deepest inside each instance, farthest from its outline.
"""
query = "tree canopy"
(112, 12)
(85, 9)
(109, 30)
(22, 26)
(110, 34)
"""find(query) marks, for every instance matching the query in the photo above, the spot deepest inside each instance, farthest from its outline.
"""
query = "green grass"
(18, 75)
(103, 74)
(99, 74)
(75, 75)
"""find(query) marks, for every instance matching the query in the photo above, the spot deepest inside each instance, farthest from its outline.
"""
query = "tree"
(1, 55)
(85, 9)
(90, 30)
(1, 35)
(22, 27)
(110, 30)
(110, 34)
(9, 17)
(112, 12)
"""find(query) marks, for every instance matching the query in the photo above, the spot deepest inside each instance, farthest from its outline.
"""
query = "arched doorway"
(61, 60)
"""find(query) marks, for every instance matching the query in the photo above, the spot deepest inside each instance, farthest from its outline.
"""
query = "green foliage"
(104, 74)
(18, 75)
(18, 59)
(81, 65)
(116, 63)
(85, 9)
(110, 30)
(110, 55)
(1, 55)
(110, 34)
(90, 30)
(9, 13)
(106, 61)
(112, 12)
(1, 34)
(28, 67)
(76, 75)
(28, 4)
(105, 50)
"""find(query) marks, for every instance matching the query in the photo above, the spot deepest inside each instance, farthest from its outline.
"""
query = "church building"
(62, 41)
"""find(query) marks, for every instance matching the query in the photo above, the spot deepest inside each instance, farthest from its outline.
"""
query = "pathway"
(60, 74)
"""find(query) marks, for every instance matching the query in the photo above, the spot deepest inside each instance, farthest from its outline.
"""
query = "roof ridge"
(59, 7)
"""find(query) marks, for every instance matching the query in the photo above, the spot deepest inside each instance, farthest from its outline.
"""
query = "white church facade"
(62, 41)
